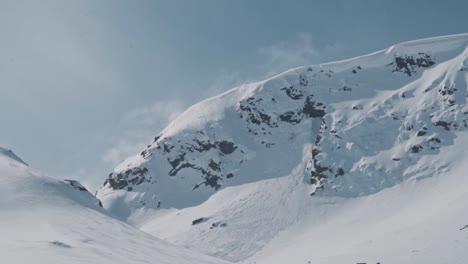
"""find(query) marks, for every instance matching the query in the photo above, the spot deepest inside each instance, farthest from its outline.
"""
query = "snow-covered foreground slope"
(417, 222)
(43, 220)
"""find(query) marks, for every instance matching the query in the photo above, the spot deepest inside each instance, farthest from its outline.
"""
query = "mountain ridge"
(228, 140)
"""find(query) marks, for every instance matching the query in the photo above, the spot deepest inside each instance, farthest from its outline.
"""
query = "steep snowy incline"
(43, 220)
(276, 221)
(237, 221)
(416, 222)
(369, 120)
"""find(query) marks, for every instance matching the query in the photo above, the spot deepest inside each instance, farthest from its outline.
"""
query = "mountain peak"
(370, 120)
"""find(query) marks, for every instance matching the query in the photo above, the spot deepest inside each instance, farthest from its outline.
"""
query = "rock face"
(370, 120)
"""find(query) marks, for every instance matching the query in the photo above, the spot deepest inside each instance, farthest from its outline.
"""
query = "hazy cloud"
(139, 126)
(157, 113)
(299, 51)
(289, 54)
(225, 81)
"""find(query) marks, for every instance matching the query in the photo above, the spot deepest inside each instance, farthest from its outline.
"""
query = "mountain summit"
(369, 121)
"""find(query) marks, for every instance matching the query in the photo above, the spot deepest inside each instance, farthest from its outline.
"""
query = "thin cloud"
(139, 126)
(163, 111)
(224, 82)
(289, 54)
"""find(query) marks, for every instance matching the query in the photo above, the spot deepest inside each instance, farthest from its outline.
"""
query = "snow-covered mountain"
(239, 174)
(369, 120)
(44, 220)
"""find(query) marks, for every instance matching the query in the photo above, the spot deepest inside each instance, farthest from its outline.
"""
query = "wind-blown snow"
(9, 153)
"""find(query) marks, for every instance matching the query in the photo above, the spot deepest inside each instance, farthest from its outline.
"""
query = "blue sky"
(84, 84)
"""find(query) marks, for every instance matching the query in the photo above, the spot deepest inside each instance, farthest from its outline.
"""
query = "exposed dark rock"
(245, 108)
(175, 162)
(254, 120)
(434, 143)
(140, 180)
(214, 166)
(443, 124)
(145, 153)
(203, 146)
(167, 148)
(444, 90)
(254, 115)
(265, 118)
(174, 171)
(416, 149)
(229, 175)
(303, 80)
(226, 147)
(212, 181)
(120, 184)
(76, 185)
(318, 171)
(200, 220)
(346, 89)
(421, 133)
(293, 93)
(121, 180)
(139, 171)
(340, 172)
(218, 224)
(60, 244)
(408, 64)
(290, 117)
(312, 108)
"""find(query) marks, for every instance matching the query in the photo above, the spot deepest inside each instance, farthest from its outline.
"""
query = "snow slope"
(419, 221)
(276, 221)
(327, 152)
(43, 220)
